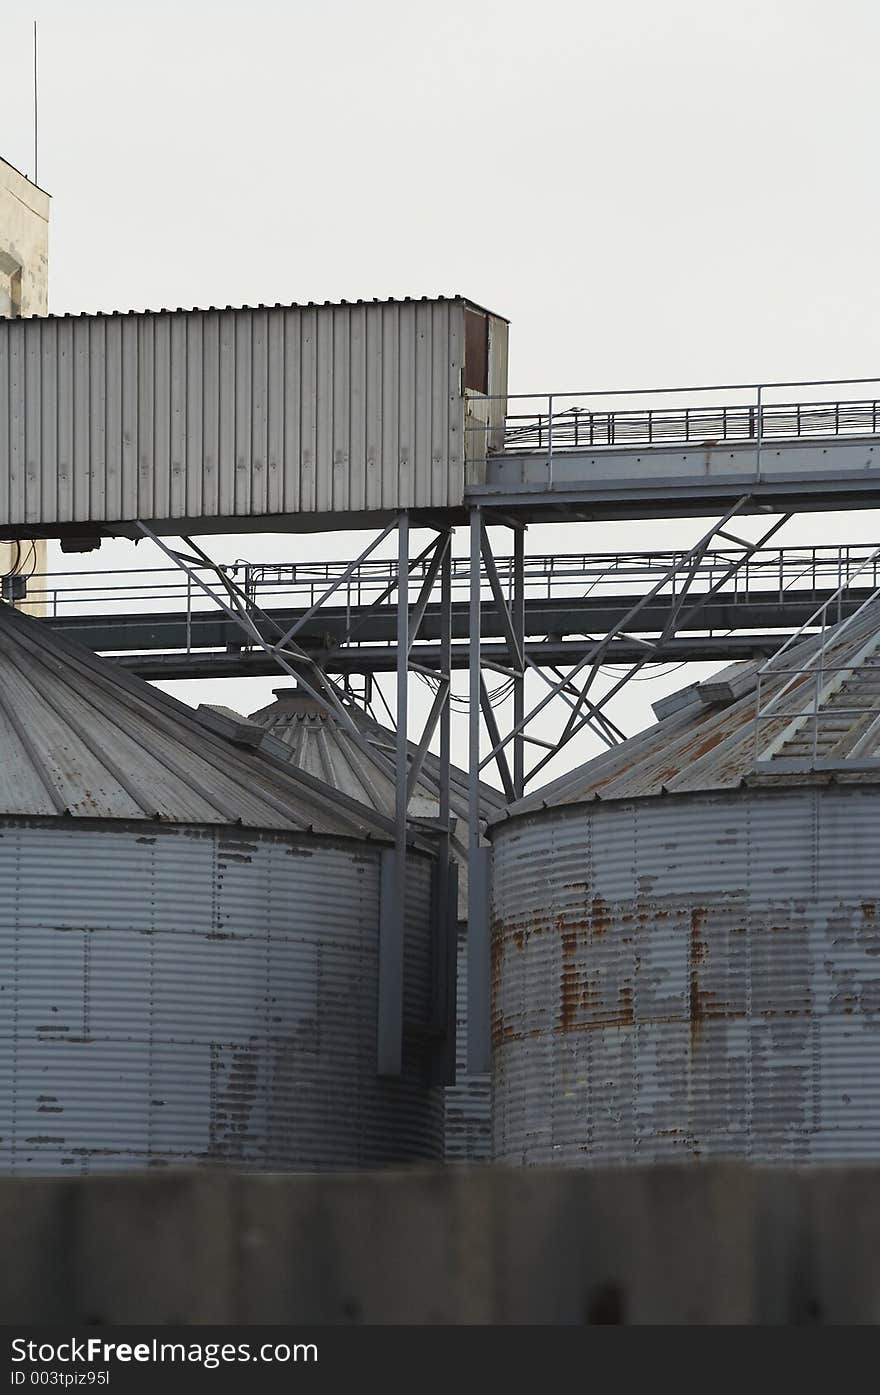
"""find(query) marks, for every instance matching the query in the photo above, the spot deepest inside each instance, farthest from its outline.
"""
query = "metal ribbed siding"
(176, 996)
(689, 976)
(210, 415)
(468, 1134)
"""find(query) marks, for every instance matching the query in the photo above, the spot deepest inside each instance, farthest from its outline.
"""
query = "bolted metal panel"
(210, 415)
(693, 976)
(468, 1134)
(208, 996)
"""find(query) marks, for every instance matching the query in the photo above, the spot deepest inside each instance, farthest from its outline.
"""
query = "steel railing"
(635, 417)
(578, 427)
(792, 574)
(815, 677)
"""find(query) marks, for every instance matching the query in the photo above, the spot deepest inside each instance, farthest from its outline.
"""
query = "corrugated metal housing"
(686, 943)
(301, 413)
(188, 940)
(320, 744)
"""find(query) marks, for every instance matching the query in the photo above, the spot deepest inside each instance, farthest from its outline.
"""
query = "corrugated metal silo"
(188, 940)
(320, 744)
(686, 931)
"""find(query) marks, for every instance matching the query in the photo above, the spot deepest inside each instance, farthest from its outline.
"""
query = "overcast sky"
(653, 191)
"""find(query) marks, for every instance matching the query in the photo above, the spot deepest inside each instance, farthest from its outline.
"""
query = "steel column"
(519, 630)
(446, 958)
(478, 900)
(393, 928)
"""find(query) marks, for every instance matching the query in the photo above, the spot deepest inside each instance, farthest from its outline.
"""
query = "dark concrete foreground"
(687, 1244)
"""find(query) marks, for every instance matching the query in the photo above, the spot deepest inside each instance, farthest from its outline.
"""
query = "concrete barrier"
(703, 1244)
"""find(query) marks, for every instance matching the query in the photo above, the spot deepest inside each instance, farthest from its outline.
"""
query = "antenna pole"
(36, 179)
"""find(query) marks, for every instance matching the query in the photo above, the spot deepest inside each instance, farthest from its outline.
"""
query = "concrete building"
(24, 291)
(24, 245)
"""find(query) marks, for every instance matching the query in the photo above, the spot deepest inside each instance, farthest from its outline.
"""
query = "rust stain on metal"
(625, 997)
(697, 953)
(600, 916)
(569, 980)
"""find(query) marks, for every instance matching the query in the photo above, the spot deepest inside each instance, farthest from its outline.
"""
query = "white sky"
(653, 193)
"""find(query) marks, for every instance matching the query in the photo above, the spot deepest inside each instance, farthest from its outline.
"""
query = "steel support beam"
(393, 927)
(375, 659)
(478, 904)
(519, 684)
(447, 870)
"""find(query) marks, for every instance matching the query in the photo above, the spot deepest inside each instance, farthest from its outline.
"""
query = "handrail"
(582, 428)
(688, 388)
(814, 664)
(792, 572)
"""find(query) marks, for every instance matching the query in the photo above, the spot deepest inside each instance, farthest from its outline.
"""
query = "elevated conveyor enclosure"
(396, 415)
(303, 416)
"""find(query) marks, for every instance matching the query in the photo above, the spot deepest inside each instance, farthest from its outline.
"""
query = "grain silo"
(188, 942)
(686, 931)
(320, 744)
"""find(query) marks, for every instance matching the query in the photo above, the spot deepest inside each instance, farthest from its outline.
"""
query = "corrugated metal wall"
(691, 976)
(468, 1132)
(212, 415)
(171, 996)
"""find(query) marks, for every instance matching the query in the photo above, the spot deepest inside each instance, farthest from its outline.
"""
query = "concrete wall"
(24, 245)
(713, 1244)
(24, 290)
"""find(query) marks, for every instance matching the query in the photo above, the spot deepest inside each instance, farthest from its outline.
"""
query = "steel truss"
(572, 684)
(406, 767)
(576, 689)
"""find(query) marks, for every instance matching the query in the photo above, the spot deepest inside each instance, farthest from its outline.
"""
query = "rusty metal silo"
(188, 940)
(319, 744)
(686, 931)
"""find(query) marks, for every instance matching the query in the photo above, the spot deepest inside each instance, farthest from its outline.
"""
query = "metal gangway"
(738, 604)
(671, 451)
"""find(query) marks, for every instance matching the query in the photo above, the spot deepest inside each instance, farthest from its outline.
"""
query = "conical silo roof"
(812, 711)
(320, 744)
(80, 737)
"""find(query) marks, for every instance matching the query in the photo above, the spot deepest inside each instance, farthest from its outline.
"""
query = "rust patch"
(698, 946)
(625, 998)
(600, 916)
(569, 983)
(697, 955)
(496, 951)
